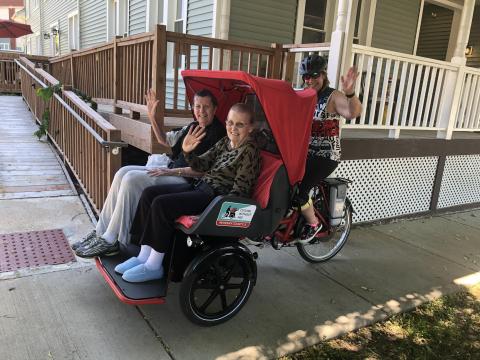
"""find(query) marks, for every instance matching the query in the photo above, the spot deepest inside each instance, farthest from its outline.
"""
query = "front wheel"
(218, 286)
(324, 248)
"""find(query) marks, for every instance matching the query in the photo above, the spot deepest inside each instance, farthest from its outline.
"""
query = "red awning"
(12, 29)
(289, 112)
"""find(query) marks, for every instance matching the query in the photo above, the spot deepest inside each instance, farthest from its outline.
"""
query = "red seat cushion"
(270, 165)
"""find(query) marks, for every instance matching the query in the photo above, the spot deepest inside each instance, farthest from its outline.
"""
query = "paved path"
(28, 168)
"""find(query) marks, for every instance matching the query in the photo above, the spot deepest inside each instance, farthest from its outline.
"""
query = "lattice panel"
(384, 188)
(461, 181)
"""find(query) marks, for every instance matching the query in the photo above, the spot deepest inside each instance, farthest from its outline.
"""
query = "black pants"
(159, 206)
(317, 168)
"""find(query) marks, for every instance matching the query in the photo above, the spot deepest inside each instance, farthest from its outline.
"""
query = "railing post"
(288, 75)
(450, 102)
(114, 157)
(117, 84)
(159, 62)
(72, 71)
(277, 61)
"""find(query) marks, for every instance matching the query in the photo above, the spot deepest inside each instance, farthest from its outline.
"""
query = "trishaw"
(216, 270)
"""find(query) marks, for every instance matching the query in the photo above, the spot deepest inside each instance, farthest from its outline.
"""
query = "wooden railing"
(10, 72)
(89, 144)
(120, 72)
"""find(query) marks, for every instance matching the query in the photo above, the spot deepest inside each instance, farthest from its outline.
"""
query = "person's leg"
(107, 209)
(316, 170)
(129, 194)
(111, 200)
(106, 244)
(159, 228)
(146, 199)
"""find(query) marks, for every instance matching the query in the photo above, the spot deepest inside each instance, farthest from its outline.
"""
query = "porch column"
(454, 79)
(341, 42)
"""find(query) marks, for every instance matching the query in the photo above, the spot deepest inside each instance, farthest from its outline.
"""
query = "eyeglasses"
(310, 76)
(238, 125)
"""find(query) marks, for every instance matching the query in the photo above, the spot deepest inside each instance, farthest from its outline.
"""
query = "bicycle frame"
(285, 235)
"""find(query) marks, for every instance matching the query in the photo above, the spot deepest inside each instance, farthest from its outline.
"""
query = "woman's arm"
(184, 172)
(344, 104)
(247, 172)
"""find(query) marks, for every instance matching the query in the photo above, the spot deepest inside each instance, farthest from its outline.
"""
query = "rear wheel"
(324, 248)
(217, 288)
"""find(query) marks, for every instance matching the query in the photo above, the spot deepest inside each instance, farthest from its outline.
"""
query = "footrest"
(150, 292)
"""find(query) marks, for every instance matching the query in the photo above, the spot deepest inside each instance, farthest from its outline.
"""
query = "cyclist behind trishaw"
(324, 149)
(217, 272)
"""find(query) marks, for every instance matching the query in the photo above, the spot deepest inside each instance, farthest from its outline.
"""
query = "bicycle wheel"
(218, 288)
(324, 248)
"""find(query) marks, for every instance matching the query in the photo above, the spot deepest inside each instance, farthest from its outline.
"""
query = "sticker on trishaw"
(235, 214)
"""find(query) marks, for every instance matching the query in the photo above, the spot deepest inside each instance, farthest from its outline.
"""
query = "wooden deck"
(28, 168)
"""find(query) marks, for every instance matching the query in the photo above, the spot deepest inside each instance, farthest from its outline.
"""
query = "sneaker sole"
(91, 256)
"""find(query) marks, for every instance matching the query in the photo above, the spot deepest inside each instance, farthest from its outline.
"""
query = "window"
(180, 16)
(314, 21)
(358, 23)
(73, 31)
(54, 40)
(34, 4)
(4, 46)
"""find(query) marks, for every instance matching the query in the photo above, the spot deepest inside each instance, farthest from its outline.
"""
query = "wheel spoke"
(229, 274)
(224, 299)
(210, 299)
(233, 286)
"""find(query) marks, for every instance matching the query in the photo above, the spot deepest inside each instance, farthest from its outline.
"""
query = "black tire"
(323, 249)
(207, 295)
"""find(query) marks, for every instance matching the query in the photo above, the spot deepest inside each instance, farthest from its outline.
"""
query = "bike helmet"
(312, 65)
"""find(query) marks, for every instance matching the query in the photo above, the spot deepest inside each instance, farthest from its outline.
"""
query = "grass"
(447, 328)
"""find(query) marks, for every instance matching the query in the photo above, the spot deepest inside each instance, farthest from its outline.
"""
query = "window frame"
(76, 30)
(53, 40)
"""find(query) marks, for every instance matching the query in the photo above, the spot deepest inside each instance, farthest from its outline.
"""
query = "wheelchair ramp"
(150, 292)
(28, 168)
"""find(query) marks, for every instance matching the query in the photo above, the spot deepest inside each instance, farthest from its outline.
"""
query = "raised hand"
(152, 103)
(348, 81)
(193, 138)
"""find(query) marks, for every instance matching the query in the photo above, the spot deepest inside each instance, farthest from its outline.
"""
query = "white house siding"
(200, 17)
(434, 32)
(34, 22)
(137, 20)
(263, 21)
(395, 25)
(54, 11)
(474, 59)
(93, 22)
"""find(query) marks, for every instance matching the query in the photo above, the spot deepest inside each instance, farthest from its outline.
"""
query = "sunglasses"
(310, 76)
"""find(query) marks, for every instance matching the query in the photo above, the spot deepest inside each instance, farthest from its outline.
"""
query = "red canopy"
(289, 112)
(12, 29)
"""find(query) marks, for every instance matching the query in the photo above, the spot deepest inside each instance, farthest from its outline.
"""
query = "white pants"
(122, 199)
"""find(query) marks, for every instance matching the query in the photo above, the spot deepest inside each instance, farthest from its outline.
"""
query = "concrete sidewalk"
(68, 312)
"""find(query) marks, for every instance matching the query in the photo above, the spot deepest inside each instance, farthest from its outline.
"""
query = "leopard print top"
(229, 171)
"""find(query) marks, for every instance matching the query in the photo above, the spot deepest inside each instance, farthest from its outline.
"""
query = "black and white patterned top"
(325, 135)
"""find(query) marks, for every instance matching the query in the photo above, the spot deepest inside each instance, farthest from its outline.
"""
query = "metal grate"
(460, 182)
(34, 248)
(384, 188)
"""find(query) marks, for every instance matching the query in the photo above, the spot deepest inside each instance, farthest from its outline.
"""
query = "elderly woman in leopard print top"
(231, 167)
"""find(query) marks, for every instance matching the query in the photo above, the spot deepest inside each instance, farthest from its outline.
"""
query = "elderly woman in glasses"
(324, 148)
(231, 167)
